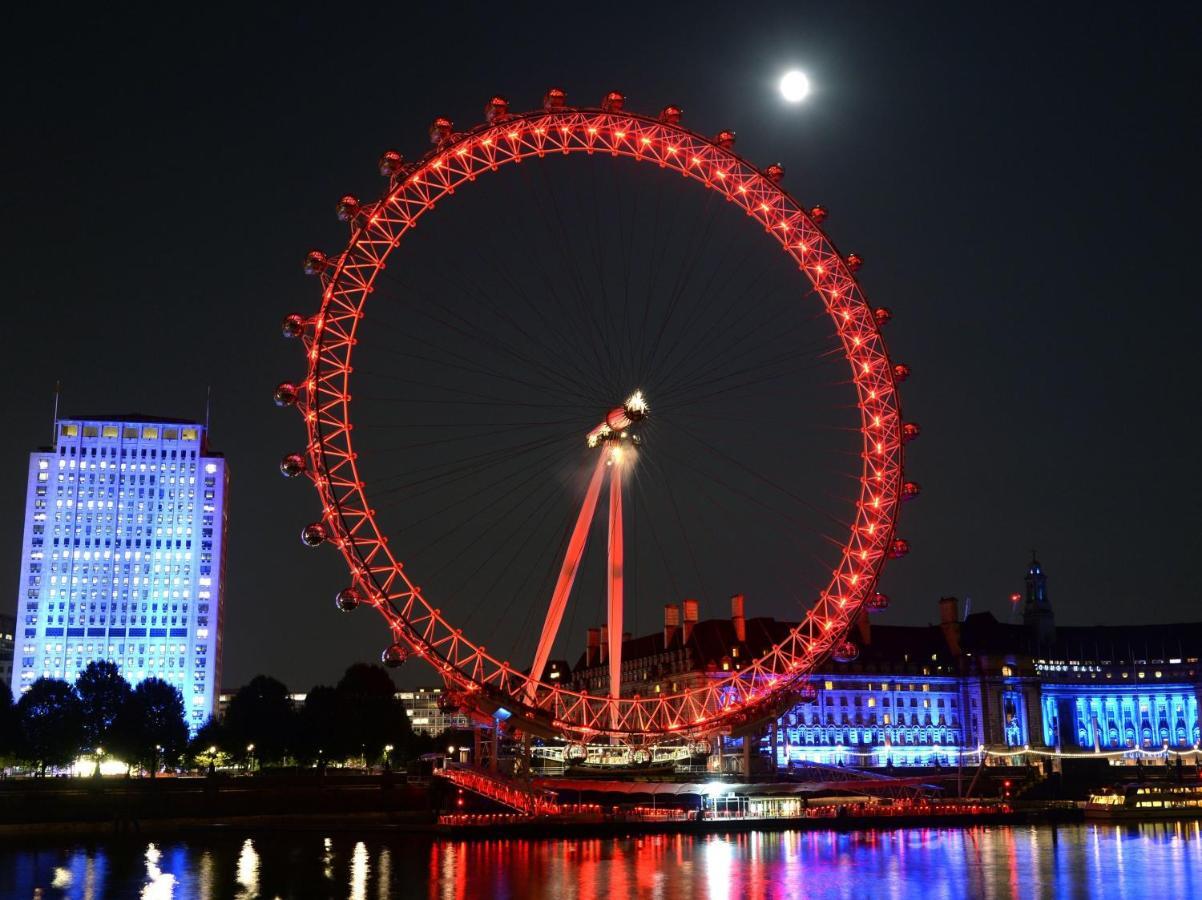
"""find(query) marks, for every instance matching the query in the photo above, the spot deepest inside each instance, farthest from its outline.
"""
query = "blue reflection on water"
(1150, 860)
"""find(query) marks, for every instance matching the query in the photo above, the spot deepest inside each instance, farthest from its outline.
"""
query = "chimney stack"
(690, 619)
(738, 619)
(671, 622)
(864, 627)
(604, 644)
(593, 653)
(949, 623)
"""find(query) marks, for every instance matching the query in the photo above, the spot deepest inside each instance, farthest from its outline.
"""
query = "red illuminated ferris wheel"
(484, 682)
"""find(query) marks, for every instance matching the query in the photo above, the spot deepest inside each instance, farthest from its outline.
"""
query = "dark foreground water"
(1137, 861)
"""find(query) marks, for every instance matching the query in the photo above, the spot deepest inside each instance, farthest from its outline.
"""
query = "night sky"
(1022, 182)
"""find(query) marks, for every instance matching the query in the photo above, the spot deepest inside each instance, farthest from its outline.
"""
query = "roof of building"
(131, 417)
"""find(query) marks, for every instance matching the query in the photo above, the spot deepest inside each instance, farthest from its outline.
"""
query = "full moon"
(794, 86)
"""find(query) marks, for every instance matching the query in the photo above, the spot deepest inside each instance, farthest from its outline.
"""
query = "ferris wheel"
(597, 391)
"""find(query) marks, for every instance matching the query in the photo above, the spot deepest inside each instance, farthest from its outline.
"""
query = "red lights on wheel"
(329, 338)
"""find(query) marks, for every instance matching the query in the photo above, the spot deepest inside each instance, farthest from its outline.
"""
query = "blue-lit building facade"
(966, 688)
(122, 557)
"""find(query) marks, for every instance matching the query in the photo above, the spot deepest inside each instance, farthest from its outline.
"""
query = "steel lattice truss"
(479, 681)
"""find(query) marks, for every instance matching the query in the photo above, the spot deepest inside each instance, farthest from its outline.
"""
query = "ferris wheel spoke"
(711, 291)
(441, 480)
(711, 506)
(561, 375)
(771, 482)
(558, 239)
(511, 533)
(733, 348)
(514, 497)
(683, 278)
(552, 548)
(567, 369)
(450, 359)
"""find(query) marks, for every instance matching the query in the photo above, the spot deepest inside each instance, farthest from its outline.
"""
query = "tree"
(103, 694)
(209, 745)
(151, 728)
(260, 715)
(319, 736)
(372, 716)
(8, 724)
(51, 723)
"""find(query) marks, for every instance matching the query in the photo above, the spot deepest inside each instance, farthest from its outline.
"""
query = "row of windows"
(129, 432)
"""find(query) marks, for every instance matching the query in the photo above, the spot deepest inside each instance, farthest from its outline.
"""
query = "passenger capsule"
(440, 130)
(846, 652)
(315, 262)
(555, 98)
(347, 207)
(901, 372)
(613, 102)
(576, 752)
(293, 326)
(910, 431)
(394, 655)
(292, 465)
(854, 261)
(899, 548)
(883, 315)
(347, 599)
(286, 394)
(877, 602)
(390, 163)
(818, 214)
(725, 139)
(910, 490)
(775, 173)
(671, 115)
(314, 534)
(496, 110)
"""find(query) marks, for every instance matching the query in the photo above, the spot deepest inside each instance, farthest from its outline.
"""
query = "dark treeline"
(359, 721)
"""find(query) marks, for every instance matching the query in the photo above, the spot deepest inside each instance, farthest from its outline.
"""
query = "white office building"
(123, 554)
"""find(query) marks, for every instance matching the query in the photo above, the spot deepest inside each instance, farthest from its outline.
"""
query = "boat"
(1147, 801)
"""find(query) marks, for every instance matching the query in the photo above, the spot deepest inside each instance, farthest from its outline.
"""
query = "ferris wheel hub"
(618, 421)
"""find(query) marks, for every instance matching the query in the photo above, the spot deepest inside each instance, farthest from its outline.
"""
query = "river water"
(1137, 861)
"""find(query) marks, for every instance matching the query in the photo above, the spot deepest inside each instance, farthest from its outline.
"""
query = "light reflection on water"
(1150, 860)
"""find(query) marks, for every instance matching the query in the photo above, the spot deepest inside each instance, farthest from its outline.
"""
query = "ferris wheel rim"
(482, 679)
